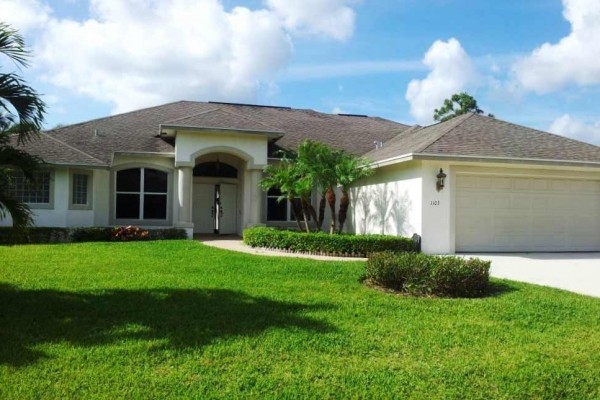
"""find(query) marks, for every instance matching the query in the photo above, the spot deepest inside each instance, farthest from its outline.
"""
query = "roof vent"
(378, 144)
(96, 132)
(249, 105)
(354, 115)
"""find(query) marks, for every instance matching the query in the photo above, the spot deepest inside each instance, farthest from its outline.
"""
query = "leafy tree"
(284, 176)
(21, 116)
(349, 170)
(458, 104)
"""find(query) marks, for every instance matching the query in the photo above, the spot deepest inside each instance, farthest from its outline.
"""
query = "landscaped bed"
(178, 319)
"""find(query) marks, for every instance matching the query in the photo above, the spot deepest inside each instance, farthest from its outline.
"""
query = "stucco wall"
(388, 202)
(251, 148)
(58, 214)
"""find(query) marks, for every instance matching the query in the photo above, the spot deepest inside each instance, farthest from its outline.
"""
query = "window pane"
(36, 192)
(128, 206)
(276, 211)
(297, 207)
(155, 181)
(128, 180)
(216, 169)
(80, 189)
(155, 206)
(274, 192)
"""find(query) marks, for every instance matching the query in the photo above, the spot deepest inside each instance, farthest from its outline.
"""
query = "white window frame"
(141, 193)
(50, 204)
(90, 180)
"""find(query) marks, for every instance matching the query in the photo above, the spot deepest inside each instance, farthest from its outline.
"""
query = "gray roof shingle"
(481, 136)
(54, 151)
(137, 131)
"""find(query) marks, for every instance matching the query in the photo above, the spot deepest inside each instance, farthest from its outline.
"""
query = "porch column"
(184, 199)
(254, 198)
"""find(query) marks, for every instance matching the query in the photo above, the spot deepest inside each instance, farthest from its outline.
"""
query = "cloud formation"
(451, 72)
(569, 126)
(333, 18)
(137, 53)
(574, 59)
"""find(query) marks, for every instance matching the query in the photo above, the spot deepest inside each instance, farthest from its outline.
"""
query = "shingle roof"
(53, 151)
(221, 119)
(137, 131)
(477, 135)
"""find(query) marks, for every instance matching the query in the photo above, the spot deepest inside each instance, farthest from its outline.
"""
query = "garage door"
(502, 213)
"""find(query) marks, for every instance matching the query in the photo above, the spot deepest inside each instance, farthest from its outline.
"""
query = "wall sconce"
(440, 180)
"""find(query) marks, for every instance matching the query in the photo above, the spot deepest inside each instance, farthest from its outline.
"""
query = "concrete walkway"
(234, 243)
(576, 272)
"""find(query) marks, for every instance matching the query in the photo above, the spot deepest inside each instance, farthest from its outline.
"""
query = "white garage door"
(501, 213)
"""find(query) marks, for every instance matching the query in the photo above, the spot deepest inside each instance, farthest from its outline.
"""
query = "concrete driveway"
(576, 272)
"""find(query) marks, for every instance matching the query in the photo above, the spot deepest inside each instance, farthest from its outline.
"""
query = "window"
(141, 194)
(215, 169)
(280, 210)
(31, 192)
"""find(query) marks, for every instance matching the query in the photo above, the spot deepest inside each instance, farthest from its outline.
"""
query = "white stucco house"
(196, 166)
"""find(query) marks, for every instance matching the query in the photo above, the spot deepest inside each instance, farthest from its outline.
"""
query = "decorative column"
(257, 198)
(184, 199)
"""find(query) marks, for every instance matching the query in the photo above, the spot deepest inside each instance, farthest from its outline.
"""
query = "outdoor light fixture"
(440, 180)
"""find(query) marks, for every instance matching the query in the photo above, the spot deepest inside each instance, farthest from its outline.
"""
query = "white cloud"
(333, 18)
(574, 59)
(137, 53)
(569, 126)
(337, 110)
(24, 15)
(451, 71)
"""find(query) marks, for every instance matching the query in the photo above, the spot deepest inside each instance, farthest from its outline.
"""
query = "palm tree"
(349, 169)
(21, 117)
(285, 177)
(318, 161)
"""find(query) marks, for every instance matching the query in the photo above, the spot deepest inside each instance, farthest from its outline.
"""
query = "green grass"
(178, 319)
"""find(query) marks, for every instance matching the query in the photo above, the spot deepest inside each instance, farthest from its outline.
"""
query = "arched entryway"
(216, 194)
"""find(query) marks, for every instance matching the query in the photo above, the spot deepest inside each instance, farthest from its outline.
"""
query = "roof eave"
(509, 160)
(175, 128)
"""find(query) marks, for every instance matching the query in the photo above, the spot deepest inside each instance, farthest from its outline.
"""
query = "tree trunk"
(331, 202)
(313, 215)
(322, 205)
(296, 213)
(304, 205)
(343, 212)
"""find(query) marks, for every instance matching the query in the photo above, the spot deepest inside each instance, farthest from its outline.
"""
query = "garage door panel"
(527, 214)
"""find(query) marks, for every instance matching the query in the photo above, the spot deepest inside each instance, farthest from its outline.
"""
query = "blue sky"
(397, 59)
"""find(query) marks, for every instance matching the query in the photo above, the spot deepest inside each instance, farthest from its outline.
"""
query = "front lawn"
(178, 319)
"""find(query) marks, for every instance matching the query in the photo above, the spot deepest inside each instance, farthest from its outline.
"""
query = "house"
(473, 183)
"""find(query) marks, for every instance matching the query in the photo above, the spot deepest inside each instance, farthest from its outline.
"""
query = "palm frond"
(12, 45)
(17, 97)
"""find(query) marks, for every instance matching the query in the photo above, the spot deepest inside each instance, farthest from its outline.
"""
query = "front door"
(214, 208)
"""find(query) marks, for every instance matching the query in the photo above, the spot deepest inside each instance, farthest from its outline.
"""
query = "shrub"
(323, 243)
(11, 236)
(129, 233)
(422, 274)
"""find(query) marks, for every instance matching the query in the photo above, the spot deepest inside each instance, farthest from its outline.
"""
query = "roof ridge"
(73, 148)
(119, 115)
(192, 115)
(453, 123)
(251, 119)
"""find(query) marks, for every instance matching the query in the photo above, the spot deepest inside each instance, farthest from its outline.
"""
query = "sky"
(531, 62)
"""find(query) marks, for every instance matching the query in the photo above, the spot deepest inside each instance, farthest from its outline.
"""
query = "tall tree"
(458, 104)
(21, 117)
(349, 170)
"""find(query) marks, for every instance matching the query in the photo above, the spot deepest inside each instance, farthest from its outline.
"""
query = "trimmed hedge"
(9, 235)
(323, 243)
(426, 275)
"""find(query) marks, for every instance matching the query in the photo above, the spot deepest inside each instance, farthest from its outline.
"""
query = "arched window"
(141, 194)
(215, 169)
